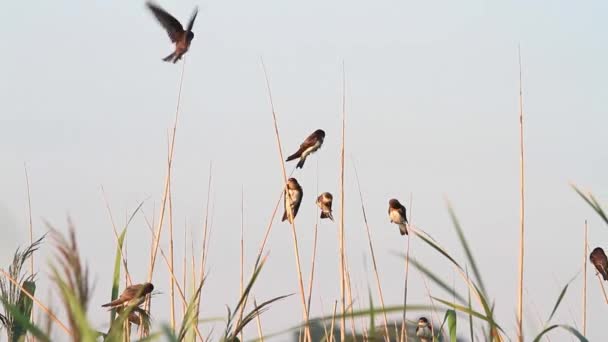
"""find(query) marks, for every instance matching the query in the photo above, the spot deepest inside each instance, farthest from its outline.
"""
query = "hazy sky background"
(432, 110)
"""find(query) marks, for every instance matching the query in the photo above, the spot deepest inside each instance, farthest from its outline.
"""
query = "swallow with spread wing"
(180, 37)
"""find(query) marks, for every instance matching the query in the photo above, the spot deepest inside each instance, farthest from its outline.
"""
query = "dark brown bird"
(180, 37)
(293, 199)
(424, 331)
(396, 212)
(132, 295)
(310, 145)
(324, 202)
(600, 261)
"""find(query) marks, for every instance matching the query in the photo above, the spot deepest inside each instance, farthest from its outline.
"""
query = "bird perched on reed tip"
(310, 145)
(182, 38)
(424, 331)
(600, 261)
(396, 212)
(324, 202)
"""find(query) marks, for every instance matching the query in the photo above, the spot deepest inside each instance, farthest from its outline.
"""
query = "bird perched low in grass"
(293, 199)
(310, 145)
(424, 331)
(396, 212)
(180, 37)
(600, 261)
(324, 202)
(132, 295)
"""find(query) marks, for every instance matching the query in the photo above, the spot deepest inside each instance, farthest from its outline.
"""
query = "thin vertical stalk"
(333, 322)
(314, 249)
(341, 224)
(206, 233)
(184, 306)
(293, 224)
(585, 282)
(171, 256)
(31, 228)
(520, 294)
(404, 335)
(371, 249)
(167, 178)
(258, 320)
(241, 264)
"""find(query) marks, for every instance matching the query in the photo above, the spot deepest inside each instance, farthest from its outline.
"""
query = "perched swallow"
(396, 212)
(180, 37)
(600, 261)
(424, 331)
(132, 295)
(310, 145)
(293, 198)
(324, 202)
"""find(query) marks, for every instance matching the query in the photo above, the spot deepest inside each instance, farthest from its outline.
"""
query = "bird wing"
(192, 18)
(167, 21)
(402, 213)
(310, 141)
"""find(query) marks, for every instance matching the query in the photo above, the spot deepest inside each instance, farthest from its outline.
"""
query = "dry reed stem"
(333, 321)
(292, 219)
(171, 256)
(172, 274)
(167, 177)
(242, 262)
(433, 306)
(404, 335)
(341, 223)
(371, 249)
(602, 286)
(349, 295)
(206, 235)
(40, 305)
(585, 248)
(314, 249)
(258, 320)
(520, 334)
(31, 228)
(184, 306)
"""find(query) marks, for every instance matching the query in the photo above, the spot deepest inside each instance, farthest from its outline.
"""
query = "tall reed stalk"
(293, 224)
(520, 293)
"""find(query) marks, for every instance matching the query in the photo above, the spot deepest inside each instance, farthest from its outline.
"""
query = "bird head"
(393, 203)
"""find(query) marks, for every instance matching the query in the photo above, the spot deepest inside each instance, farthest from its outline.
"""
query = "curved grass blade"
(436, 279)
(559, 300)
(116, 276)
(439, 249)
(565, 327)
(590, 199)
(467, 249)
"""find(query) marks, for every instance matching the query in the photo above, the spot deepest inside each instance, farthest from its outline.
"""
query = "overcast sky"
(432, 110)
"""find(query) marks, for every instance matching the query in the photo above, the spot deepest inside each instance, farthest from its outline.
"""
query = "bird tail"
(604, 274)
(301, 163)
(294, 156)
(169, 58)
(403, 228)
(112, 303)
(327, 215)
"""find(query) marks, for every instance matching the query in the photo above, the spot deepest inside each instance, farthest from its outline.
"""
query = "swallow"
(310, 145)
(293, 198)
(132, 295)
(180, 37)
(396, 212)
(424, 331)
(600, 261)
(324, 202)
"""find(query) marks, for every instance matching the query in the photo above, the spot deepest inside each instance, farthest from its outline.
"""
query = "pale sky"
(432, 110)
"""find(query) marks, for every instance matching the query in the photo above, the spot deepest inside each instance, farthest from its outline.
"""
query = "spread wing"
(192, 18)
(167, 21)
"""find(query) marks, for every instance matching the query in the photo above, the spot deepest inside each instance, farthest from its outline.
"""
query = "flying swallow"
(310, 145)
(396, 212)
(424, 331)
(132, 295)
(600, 261)
(180, 37)
(293, 198)
(324, 202)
